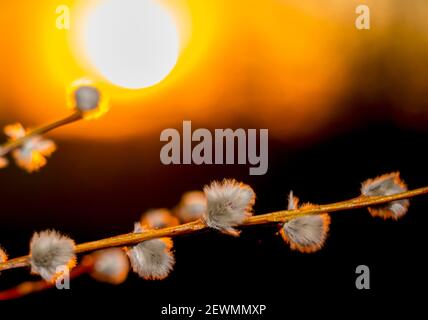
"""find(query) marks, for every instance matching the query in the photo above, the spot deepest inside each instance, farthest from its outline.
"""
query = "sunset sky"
(291, 66)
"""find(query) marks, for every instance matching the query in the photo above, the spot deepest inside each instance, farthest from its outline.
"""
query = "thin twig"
(13, 144)
(198, 225)
(30, 287)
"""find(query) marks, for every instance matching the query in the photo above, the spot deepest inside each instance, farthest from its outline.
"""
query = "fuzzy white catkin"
(152, 259)
(32, 154)
(229, 204)
(87, 98)
(110, 265)
(307, 233)
(158, 218)
(192, 206)
(50, 250)
(386, 185)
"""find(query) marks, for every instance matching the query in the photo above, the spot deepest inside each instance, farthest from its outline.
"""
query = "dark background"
(94, 190)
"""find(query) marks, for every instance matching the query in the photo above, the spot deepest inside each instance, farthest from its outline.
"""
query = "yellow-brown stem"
(13, 144)
(198, 225)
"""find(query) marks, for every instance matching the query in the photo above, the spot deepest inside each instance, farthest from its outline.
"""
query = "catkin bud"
(85, 97)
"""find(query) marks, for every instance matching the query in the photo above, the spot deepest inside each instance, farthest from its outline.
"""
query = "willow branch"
(13, 144)
(30, 287)
(198, 225)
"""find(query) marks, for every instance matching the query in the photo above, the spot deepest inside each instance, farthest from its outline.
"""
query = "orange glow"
(277, 64)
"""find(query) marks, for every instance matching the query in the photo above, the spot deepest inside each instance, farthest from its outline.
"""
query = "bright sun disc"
(132, 43)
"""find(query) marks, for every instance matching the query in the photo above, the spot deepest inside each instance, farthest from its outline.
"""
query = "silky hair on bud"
(3, 255)
(152, 259)
(229, 204)
(110, 265)
(192, 206)
(293, 202)
(50, 250)
(85, 97)
(386, 185)
(308, 233)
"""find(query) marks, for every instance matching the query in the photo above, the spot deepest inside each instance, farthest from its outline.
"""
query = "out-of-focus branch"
(13, 144)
